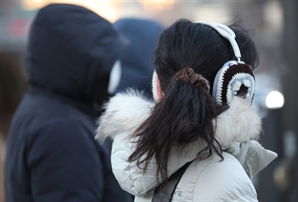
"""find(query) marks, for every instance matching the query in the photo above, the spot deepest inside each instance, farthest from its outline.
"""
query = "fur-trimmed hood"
(126, 111)
(237, 130)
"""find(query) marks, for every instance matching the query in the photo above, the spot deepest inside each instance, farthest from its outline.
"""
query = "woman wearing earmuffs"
(198, 140)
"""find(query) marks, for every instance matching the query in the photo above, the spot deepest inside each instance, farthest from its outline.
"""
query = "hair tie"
(188, 75)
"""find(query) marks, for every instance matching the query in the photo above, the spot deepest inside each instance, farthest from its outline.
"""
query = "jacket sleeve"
(129, 176)
(134, 179)
(64, 164)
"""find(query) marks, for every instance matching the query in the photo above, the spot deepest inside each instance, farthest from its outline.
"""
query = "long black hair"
(186, 112)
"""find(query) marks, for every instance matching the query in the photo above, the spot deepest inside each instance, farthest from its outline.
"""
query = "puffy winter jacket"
(205, 180)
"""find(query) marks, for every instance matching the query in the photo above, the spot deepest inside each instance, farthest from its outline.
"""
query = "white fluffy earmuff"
(156, 89)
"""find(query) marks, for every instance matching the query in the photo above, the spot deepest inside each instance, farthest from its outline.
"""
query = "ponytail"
(183, 115)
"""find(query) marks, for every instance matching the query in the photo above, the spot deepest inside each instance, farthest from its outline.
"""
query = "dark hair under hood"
(71, 52)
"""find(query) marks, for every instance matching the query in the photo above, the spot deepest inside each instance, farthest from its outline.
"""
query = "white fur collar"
(239, 123)
(123, 112)
(126, 111)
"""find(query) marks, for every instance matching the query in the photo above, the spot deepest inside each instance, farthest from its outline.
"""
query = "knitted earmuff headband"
(235, 78)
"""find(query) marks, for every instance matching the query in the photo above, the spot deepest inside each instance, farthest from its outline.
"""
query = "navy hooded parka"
(51, 152)
(138, 59)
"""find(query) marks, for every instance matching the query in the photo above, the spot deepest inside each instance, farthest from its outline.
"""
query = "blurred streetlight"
(107, 9)
(274, 100)
(157, 4)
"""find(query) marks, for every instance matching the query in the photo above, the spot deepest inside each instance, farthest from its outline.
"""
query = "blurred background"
(274, 23)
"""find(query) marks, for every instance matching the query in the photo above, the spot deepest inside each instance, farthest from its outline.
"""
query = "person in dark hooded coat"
(137, 60)
(51, 153)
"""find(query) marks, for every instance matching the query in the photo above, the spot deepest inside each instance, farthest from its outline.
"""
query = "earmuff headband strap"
(227, 33)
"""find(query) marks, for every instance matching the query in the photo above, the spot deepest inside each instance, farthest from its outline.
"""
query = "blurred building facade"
(275, 27)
